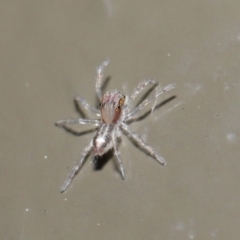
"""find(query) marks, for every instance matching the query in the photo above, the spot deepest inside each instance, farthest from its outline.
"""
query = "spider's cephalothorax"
(111, 107)
(115, 117)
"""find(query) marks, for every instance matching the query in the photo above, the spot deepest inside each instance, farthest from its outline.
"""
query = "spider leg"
(146, 101)
(118, 158)
(141, 86)
(62, 123)
(99, 78)
(76, 167)
(83, 102)
(143, 145)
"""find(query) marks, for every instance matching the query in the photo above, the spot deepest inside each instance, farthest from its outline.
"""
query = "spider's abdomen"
(102, 142)
(111, 106)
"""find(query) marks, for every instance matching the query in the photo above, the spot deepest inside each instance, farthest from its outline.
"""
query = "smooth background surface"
(49, 53)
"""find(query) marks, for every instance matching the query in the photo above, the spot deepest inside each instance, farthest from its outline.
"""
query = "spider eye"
(120, 104)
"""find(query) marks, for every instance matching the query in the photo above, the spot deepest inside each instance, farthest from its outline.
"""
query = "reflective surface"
(49, 53)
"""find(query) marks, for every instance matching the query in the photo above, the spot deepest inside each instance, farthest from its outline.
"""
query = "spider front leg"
(99, 78)
(144, 146)
(141, 86)
(117, 156)
(76, 167)
(148, 100)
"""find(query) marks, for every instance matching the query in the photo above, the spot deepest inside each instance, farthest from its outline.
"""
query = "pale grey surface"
(49, 51)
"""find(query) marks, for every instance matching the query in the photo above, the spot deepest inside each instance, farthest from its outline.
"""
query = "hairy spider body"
(111, 108)
(115, 115)
(102, 141)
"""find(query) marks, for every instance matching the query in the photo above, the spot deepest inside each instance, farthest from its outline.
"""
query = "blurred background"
(49, 51)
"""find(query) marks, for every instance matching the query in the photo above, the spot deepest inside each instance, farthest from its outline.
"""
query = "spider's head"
(111, 106)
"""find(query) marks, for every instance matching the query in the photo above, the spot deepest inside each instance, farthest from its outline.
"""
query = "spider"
(114, 117)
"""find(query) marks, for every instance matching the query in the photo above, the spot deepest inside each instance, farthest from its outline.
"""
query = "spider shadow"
(140, 118)
(78, 107)
(100, 161)
(79, 110)
(82, 114)
(146, 94)
(75, 132)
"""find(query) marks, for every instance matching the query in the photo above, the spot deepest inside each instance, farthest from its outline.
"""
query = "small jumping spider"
(115, 115)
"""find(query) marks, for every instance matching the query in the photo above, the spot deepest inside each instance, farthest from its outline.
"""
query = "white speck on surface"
(194, 88)
(45, 157)
(98, 224)
(226, 87)
(180, 226)
(23, 223)
(65, 199)
(169, 54)
(191, 236)
(191, 233)
(214, 233)
(231, 137)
